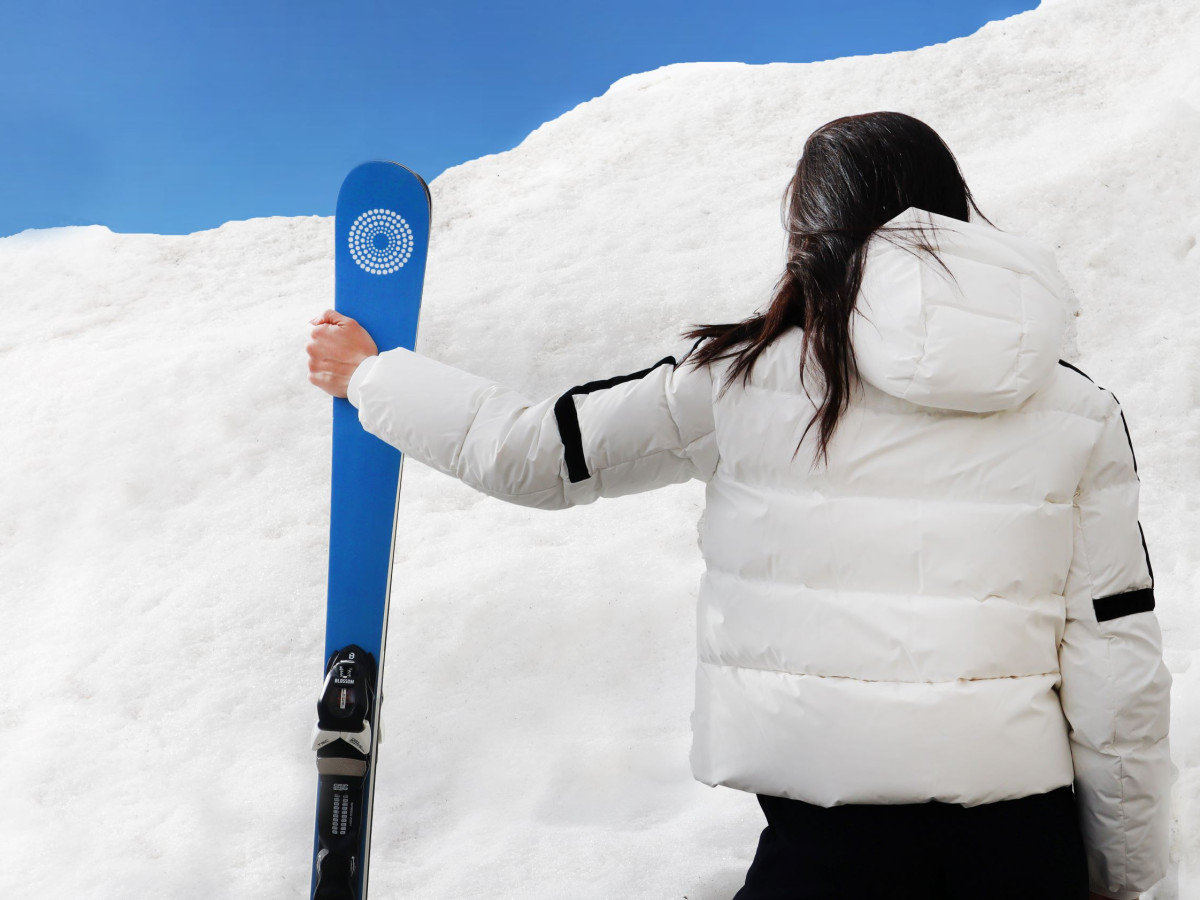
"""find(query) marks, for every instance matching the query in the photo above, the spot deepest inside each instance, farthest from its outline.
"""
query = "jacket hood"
(981, 341)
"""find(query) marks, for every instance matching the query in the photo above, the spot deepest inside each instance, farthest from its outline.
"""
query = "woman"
(926, 629)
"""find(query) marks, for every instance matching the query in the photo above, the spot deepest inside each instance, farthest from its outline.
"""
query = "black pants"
(1026, 849)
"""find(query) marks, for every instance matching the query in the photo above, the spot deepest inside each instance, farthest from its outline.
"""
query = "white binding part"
(359, 740)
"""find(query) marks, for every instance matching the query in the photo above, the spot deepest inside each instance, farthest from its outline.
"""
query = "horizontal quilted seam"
(934, 412)
(1057, 599)
(798, 489)
(617, 463)
(1115, 480)
(717, 664)
(975, 312)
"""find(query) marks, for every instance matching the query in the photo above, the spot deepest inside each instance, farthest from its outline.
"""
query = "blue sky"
(174, 117)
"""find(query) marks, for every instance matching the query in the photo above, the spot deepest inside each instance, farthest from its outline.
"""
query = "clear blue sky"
(173, 117)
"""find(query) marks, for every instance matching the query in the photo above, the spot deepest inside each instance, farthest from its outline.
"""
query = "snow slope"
(165, 474)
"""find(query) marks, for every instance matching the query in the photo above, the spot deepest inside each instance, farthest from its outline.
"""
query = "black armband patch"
(1126, 604)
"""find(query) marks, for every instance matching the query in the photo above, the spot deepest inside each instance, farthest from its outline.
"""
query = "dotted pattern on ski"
(381, 242)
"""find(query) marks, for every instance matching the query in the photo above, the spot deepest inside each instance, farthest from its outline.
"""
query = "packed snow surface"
(163, 503)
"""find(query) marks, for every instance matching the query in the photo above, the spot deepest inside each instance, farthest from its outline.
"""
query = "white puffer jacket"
(959, 607)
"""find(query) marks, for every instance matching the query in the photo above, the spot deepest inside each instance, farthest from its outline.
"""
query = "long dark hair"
(854, 175)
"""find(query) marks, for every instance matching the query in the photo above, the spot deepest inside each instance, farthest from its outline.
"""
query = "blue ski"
(382, 234)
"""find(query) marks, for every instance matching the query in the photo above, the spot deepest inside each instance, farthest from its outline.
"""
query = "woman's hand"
(337, 346)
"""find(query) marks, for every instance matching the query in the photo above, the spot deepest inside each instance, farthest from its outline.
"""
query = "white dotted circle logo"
(380, 241)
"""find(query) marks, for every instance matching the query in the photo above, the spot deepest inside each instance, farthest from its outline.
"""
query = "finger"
(325, 333)
(329, 317)
(336, 367)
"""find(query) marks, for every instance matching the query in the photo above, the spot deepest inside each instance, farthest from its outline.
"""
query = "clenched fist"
(337, 346)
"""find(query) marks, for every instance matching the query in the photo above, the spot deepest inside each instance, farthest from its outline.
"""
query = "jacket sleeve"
(602, 439)
(1115, 688)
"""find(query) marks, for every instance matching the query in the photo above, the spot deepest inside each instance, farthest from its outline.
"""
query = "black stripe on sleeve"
(1133, 456)
(688, 355)
(567, 418)
(1125, 425)
(1128, 603)
(1146, 550)
(1063, 362)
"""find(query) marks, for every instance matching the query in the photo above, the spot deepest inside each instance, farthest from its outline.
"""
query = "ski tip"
(414, 174)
